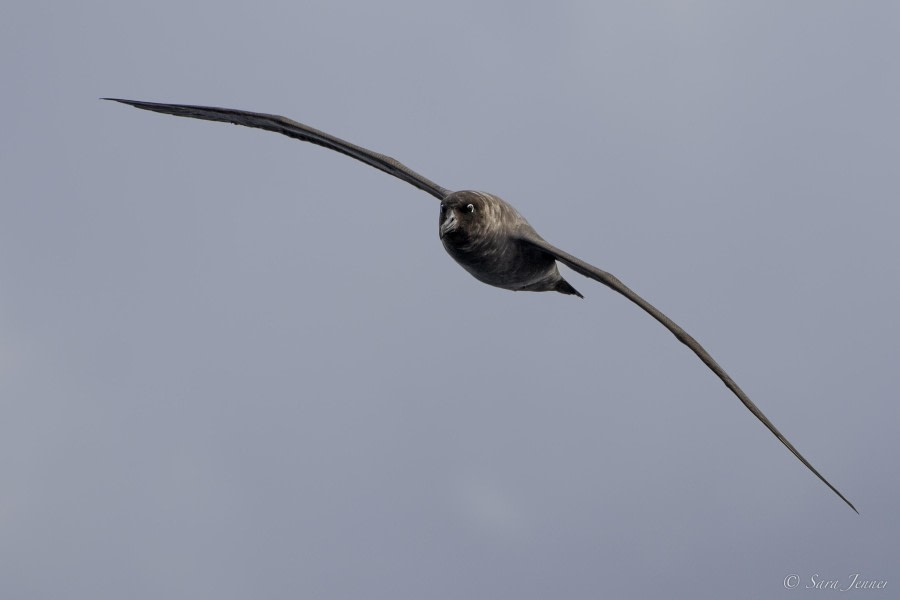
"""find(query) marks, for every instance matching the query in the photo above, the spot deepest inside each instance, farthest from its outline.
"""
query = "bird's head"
(466, 215)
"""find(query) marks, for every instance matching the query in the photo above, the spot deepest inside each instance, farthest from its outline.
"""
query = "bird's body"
(484, 234)
(488, 238)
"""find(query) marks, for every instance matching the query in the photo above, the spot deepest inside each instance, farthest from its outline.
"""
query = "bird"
(484, 234)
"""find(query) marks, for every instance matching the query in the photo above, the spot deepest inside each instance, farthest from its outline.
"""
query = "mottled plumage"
(484, 234)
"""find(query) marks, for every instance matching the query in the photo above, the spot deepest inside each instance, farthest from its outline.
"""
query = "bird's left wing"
(298, 131)
(610, 281)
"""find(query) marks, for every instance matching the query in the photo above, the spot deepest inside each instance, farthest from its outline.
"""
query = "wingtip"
(833, 489)
(840, 495)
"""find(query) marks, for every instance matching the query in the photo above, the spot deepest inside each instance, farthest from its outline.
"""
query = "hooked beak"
(450, 224)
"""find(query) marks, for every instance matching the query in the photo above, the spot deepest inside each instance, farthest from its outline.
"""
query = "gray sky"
(235, 365)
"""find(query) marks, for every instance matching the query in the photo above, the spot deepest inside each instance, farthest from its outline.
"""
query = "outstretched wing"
(298, 131)
(608, 280)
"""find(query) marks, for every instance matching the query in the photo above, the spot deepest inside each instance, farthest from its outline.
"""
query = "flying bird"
(484, 234)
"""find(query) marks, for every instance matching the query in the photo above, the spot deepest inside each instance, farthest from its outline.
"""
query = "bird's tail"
(564, 287)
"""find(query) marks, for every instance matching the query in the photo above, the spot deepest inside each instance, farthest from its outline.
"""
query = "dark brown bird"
(484, 234)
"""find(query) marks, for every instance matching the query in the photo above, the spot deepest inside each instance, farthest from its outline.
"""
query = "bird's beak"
(450, 224)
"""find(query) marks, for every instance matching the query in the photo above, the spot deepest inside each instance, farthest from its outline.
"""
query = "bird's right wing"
(589, 270)
(298, 131)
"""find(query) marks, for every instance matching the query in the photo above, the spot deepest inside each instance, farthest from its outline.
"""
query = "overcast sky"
(234, 365)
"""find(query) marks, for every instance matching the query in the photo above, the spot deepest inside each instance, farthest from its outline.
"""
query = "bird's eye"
(470, 208)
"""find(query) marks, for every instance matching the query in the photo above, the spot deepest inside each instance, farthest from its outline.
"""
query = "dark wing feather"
(298, 131)
(608, 280)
